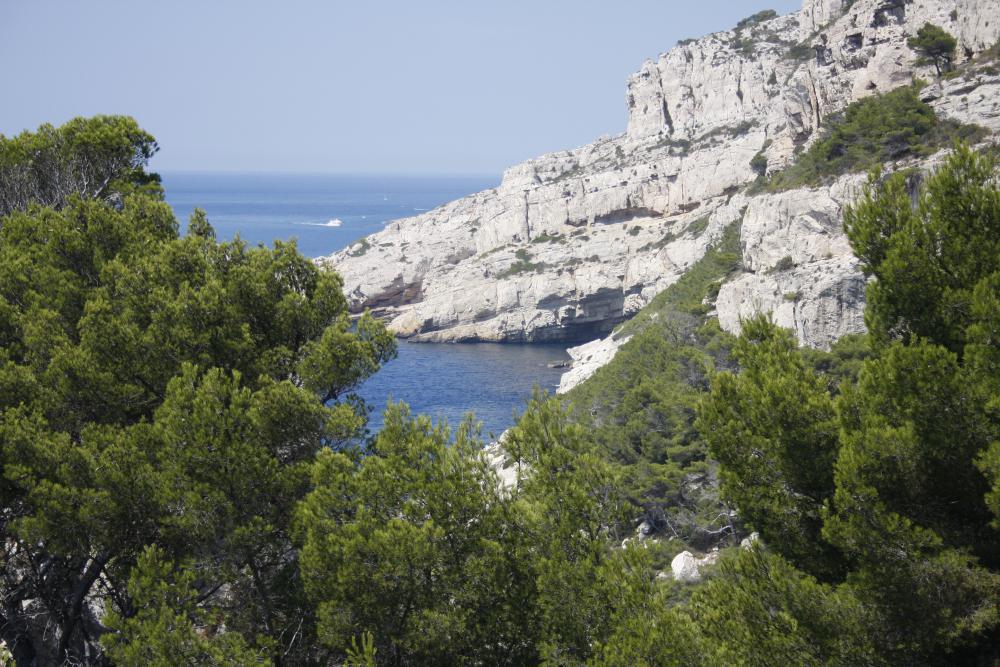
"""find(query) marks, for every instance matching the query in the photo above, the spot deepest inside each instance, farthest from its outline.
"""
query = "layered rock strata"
(572, 243)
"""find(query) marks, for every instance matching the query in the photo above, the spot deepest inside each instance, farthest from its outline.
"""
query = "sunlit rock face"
(572, 243)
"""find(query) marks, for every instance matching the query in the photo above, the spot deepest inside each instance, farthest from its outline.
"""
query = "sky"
(379, 86)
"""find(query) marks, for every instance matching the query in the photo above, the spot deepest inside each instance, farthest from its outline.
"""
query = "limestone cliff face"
(798, 265)
(571, 243)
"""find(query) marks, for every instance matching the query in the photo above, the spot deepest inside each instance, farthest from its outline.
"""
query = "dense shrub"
(935, 45)
(870, 132)
(756, 19)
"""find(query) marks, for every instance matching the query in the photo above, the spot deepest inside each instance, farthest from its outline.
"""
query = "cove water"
(326, 213)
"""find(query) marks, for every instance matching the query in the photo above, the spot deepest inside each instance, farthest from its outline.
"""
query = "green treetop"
(935, 45)
(888, 489)
(102, 157)
(159, 390)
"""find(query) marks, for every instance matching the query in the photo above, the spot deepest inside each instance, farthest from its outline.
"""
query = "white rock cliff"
(572, 243)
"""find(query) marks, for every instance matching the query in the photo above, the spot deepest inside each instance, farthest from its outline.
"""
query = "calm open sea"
(325, 213)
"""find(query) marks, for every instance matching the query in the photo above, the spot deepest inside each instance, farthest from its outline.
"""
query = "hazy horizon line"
(305, 172)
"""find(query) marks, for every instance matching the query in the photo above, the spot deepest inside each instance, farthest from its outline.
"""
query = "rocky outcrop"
(507, 471)
(572, 243)
(686, 567)
(587, 358)
(798, 265)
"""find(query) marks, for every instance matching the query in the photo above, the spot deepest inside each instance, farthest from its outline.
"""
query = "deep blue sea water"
(265, 207)
(443, 381)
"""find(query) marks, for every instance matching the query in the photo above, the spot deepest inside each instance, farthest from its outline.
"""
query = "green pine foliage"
(574, 508)
(645, 625)
(640, 408)
(871, 132)
(773, 428)
(416, 544)
(700, 282)
(931, 260)
(759, 610)
(184, 478)
(161, 391)
(169, 628)
(102, 157)
(756, 19)
(935, 45)
(887, 487)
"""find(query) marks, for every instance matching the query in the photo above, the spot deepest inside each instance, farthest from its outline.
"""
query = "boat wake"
(336, 222)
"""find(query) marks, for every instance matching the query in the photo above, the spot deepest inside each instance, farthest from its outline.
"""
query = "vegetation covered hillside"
(870, 473)
(184, 481)
(186, 478)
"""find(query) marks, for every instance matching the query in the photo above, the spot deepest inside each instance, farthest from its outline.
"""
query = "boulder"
(686, 567)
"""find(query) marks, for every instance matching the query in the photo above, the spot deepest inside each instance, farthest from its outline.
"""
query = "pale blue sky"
(432, 86)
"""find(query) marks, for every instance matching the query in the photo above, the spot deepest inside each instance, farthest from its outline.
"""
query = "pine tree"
(935, 45)
(897, 474)
(157, 390)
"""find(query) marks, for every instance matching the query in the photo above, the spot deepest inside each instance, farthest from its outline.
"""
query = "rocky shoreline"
(573, 243)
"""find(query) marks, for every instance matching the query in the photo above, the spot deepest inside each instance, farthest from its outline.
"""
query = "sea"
(325, 213)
